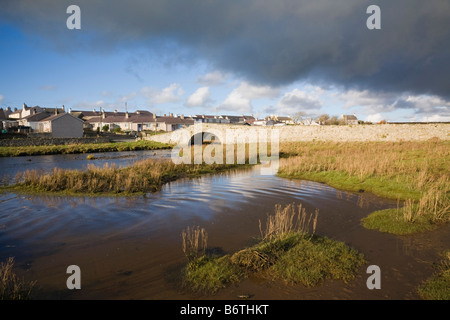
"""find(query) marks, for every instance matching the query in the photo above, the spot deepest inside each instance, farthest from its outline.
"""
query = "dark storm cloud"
(267, 42)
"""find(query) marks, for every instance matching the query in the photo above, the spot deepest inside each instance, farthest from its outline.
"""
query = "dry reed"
(194, 242)
(11, 287)
(287, 220)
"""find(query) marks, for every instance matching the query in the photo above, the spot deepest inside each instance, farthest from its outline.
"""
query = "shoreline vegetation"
(145, 176)
(288, 251)
(142, 177)
(82, 148)
(416, 174)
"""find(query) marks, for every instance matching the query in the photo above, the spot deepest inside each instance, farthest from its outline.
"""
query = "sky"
(231, 57)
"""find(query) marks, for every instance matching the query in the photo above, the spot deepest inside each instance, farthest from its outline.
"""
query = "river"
(130, 247)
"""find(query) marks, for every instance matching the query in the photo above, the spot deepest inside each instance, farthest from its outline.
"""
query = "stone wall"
(49, 141)
(379, 132)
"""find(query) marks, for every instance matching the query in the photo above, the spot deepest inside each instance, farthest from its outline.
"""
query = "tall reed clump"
(195, 242)
(287, 220)
(11, 286)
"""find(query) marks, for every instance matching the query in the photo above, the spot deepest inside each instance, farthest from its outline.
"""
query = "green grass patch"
(389, 188)
(392, 221)
(312, 260)
(208, 275)
(295, 259)
(438, 286)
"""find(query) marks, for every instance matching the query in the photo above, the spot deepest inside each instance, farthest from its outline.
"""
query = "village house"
(29, 111)
(349, 119)
(138, 121)
(281, 119)
(224, 119)
(53, 121)
(62, 125)
(113, 120)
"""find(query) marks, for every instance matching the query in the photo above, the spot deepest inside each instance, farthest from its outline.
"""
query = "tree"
(105, 128)
(323, 118)
(297, 117)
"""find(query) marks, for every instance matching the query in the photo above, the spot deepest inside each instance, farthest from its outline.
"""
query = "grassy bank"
(288, 252)
(81, 148)
(142, 177)
(415, 173)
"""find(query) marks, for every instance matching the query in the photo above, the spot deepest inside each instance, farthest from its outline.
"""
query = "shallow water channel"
(130, 247)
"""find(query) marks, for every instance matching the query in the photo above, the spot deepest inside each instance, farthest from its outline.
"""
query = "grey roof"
(60, 115)
(38, 116)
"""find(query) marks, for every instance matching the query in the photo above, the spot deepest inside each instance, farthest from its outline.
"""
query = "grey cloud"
(267, 42)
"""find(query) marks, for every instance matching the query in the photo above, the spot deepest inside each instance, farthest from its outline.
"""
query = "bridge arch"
(204, 137)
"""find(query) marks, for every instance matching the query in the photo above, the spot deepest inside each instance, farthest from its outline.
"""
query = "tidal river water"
(130, 247)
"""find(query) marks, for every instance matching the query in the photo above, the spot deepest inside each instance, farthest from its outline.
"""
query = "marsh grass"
(416, 173)
(11, 286)
(142, 177)
(288, 252)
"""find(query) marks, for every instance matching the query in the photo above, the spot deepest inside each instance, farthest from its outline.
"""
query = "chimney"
(165, 115)
(103, 114)
(126, 115)
(154, 116)
(70, 110)
(94, 110)
(182, 116)
(115, 111)
(171, 115)
(63, 109)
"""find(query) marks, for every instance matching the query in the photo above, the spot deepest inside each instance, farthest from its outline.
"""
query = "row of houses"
(69, 123)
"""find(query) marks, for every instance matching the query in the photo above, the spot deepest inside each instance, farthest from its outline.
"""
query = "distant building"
(224, 119)
(349, 119)
(280, 119)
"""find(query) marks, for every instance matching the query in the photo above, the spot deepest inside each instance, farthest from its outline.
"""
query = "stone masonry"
(292, 133)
